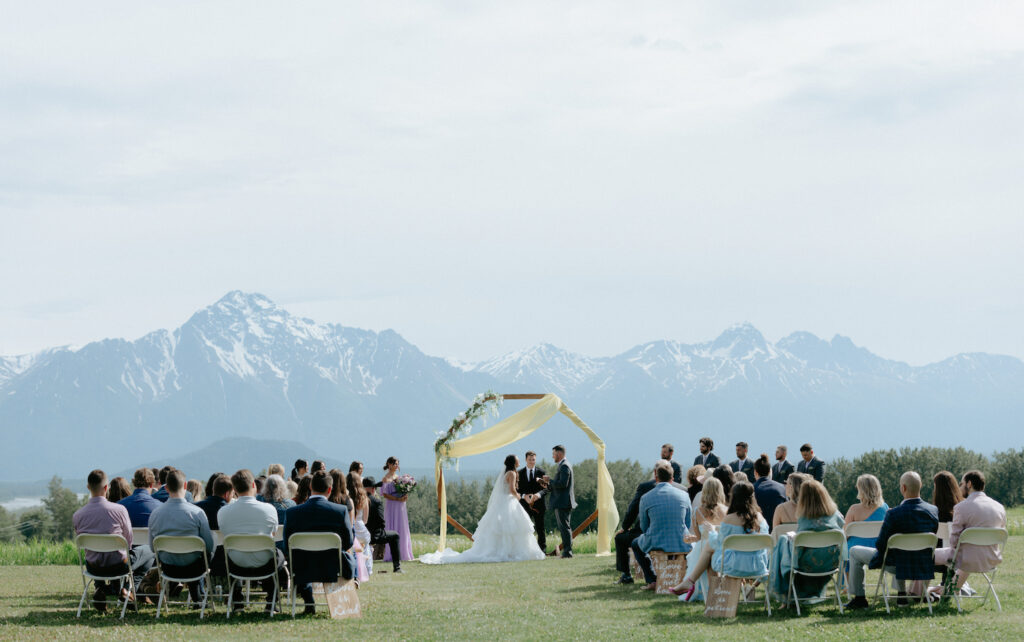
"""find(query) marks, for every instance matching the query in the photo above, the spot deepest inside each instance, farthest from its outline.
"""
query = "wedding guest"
(396, 513)
(376, 524)
(742, 517)
(156, 479)
(738, 477)
(786, 512)
(260, 480)
(695, 481)
(706, 458)
(815, 512)
(724, 474)
(161, 493)
(810, 465)
(195, 487)
(870, 507)
(741, 464)
(293, 489)
(299, 470)
(913, 515)
(339, 492)
(317, 465)
(630, 531)
(782, 469)
(707, 517)
(319, 515)
(665, 518)
(356, 467)
(302, 492)
(769, 494)
(946, 495)
(99, 516)
(275, 493)
(666, 453)
(140, 504)
(208, 489)
(178, 516)
(354, 484)
(118, 490)
(223, 491)
(275, 469)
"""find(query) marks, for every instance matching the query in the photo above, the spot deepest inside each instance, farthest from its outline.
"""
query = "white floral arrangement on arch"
(485, 403)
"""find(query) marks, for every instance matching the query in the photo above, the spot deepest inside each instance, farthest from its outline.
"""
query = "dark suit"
(161, 495)
(911, 516)
(211, 506)
(562, 491)
(781, 471)
(317, 515)
(677, 471)
(769, 494)
(746, 467)
(815, 468)
(711, 464)
(537, 511)
(630, 527)
(379, 534)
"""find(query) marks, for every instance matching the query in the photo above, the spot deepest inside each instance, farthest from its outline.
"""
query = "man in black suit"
(317, 515)
(741, 464)
(810, 465)
(677, 470)
(782, 469)
(630, 531)
(223, 491)
(706, 458)
(375, 524)
(530, 484)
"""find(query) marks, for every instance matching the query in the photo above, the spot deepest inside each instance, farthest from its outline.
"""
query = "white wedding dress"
(504, 534)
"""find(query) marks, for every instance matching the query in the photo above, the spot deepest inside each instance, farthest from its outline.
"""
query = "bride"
(505, 532)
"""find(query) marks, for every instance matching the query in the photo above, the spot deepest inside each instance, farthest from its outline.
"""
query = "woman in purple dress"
(396, 513)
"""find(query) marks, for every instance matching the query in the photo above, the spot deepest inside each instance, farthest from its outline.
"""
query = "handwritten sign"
(670, 568)
(342, 599)
(723, 597)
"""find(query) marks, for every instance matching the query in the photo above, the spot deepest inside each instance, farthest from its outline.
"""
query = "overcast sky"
(483, 178)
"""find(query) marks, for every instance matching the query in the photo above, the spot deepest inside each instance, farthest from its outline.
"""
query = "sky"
(481, 177)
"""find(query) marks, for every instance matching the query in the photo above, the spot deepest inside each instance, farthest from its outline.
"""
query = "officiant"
(530, 483)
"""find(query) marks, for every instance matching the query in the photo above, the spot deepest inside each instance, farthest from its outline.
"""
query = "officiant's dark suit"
(529, 484)
(630, 531)
(562, 493)
(709, 461)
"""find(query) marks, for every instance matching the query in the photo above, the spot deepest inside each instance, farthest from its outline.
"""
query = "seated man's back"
(248, 516)
(178, 517)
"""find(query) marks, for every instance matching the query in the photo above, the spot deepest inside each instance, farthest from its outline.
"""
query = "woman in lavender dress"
(396, 513)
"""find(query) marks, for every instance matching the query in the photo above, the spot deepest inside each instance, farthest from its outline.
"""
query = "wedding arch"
(510, 430)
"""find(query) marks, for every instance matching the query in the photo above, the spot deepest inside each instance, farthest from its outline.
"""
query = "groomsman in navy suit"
(811, 465)
(706, 458)
(782, 469)
(741, 464)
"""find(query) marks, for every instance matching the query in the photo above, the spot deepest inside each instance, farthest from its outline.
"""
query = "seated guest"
(119, 489)
(223, 491)
(665, 519)
(769, 494)
(99, 516)
(141, 504)
(293, 489)
(375, 523)
(724, 474)
(706, 458)
(741, 464)
(156, 478)
(356, 467)
(738, 477)
(742, 517)
(247, 516)
(208, 489)
(815, 512)
(977, 511)
(354, 484)
(782, 469)
(810, 465)
(707, 517)
(303, 490)
(299, 470)
(870, 507)
(913, 515)
(677, 471)
(260, 480)
(695, 481)
(630, 531)
(275, 469)
(946, 495)
(195, 487)
(319, 515)
(275, 493)
(339, 492)
(178, 516)
(161, 493)
(317, 465)
(785, 513)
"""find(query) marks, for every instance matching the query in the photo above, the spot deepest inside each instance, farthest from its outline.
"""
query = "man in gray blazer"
(562, 492)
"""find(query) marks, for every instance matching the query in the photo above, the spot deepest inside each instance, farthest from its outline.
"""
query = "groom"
(563, 497)
(530, 484)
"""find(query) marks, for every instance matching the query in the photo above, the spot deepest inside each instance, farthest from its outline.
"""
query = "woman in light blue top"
(871, 507)
(743, 517)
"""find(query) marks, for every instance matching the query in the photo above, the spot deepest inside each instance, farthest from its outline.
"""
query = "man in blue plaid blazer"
(664, 519)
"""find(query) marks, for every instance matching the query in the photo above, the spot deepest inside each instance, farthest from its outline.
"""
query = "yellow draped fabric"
(513, 429)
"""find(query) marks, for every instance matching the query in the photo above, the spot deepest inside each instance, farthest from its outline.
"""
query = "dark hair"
(339, 494)
(162, 476)
(220, 484)
(175, 480)
(355, 466)
(976, 479)
(97, 479)
(209, 490)
(143, 478)
(118, 490)
(742, 444)
(156, 474)
(305, 484)
(510, 463)
(946, 494)
(724, 474)
(707, 441)
(670, 447)
(762, 467)
(299, 463)
(560, 448)
(743, 504)
(530, 452)
(355, 489)
(242, 481)
(391, 460)
(805, 448)
(262, 479)
(317, 465)
(663, 473)
(320, 482)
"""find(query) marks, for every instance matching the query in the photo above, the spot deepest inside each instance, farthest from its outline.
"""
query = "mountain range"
(245, 367)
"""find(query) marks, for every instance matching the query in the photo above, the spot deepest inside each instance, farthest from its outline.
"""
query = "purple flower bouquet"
(405, 484)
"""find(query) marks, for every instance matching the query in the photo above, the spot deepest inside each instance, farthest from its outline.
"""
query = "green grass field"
(551, 599)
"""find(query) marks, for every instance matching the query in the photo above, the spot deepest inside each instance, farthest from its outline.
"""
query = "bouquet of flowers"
(405, 484)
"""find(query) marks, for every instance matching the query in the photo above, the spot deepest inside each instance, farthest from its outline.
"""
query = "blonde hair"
(712, 495)
(275, 469)
(869, 491)
(740, 477)
(814, 501)
(796, 482)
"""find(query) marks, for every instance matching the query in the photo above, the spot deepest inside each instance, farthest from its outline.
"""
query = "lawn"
(550, 599)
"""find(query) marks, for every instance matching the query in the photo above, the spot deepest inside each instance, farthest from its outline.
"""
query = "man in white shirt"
(249, 516)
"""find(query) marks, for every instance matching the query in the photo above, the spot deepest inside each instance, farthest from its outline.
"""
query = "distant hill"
(245, 367)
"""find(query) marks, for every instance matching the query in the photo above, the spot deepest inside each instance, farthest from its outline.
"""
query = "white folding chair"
(748, 544)
(310, 542)
(980, 537)
(905, 542)
(867, 530)
(249, 544)
(817, 539)
(103, 544)
(279, 533)
(140, 536)
(218, 539)
(180, 545)
(782, 529)
(942, 532)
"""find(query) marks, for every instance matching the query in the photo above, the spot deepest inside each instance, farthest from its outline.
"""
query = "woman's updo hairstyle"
(510, 463)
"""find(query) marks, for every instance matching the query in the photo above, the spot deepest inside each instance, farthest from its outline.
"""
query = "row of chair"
(141, 535)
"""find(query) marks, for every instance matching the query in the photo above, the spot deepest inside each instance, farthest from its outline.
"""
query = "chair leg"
(205, 583)
(231, 596)
(835, 587)
(85, 592)
(273, 600)
(131, 591)
(792, 591)
(160, 600)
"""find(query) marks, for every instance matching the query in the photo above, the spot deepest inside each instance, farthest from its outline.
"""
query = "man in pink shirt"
(977, 511)
(101, 517)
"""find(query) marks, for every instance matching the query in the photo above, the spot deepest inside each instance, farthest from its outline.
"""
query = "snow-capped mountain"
(246, 367)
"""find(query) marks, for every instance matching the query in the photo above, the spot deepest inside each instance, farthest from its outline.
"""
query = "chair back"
(140, 536)
(942, 532)
(218, 539)
(249, 543)
(747, 543)
(314, 541)
(819, 539)
(912, 541)
(101, 543)
(279, 534)
(983, 536)
(785, 527)
(863, 529)
(179, 544)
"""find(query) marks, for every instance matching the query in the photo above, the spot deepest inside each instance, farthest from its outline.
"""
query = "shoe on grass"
(858, 602)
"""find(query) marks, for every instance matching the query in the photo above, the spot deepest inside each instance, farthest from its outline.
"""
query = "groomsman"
(782, 468)
(530, 484)
(677, 472)
(562, 490)
(741, 464)
(811, 464)
(706, 458)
